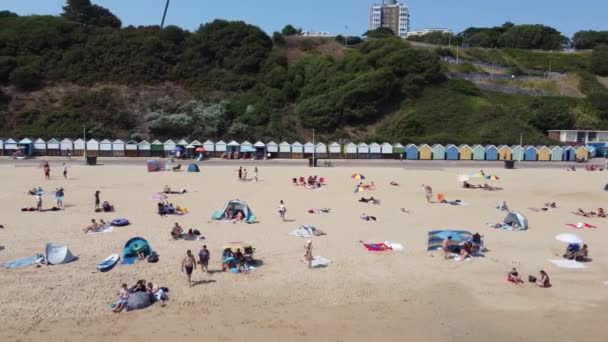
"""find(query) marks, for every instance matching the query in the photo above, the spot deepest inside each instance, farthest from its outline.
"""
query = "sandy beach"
(414, 295)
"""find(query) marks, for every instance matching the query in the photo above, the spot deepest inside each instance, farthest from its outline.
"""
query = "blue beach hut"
(452, 152)
(491, 152)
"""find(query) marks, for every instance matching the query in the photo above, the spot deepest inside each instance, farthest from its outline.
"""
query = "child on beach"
(282, 210)
(428, 193)
(123, 296)
(514, 277)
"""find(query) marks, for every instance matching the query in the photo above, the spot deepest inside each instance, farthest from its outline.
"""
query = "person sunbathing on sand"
(514, 277)
(581, 212)
(393, 183)
(93, 227)
(600, 212)
(551, 205)
(365, 217)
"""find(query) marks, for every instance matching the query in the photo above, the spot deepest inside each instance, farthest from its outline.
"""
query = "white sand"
(362, 295)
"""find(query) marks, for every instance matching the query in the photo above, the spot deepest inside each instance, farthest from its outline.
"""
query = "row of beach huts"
(296, 150)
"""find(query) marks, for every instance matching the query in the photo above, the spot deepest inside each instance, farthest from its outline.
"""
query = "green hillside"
(230, 80)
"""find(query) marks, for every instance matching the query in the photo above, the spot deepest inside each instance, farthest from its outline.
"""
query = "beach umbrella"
(463, 178)
(357, 176)
(359, 189)
(569, 238)
(199, 149)
(159, 197)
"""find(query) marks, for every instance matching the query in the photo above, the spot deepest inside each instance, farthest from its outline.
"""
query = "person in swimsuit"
(188, 265)
(123, 295)
(308, 253)
(97, 201)
(47, 170)
(428, 193)
(282, 210)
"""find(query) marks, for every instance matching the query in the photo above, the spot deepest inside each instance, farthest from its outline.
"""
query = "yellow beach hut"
(466, 152)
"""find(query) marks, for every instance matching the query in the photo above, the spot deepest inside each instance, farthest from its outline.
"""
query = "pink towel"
(577, 226)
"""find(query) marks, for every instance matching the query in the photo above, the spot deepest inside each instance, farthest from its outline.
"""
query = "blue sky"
(334, 15)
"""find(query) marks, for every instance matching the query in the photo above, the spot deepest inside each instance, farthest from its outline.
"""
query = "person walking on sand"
(240, 173)
(47, 170)
(203, 256)
(428, 193)
(39, 201)
(282, 210)
(97, 201)
(188, 265)
(65, 171)
(59, 197)
(308, 253)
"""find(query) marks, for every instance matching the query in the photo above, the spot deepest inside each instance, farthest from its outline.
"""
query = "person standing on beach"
(255, 173)
(282, 210)
(188, 265)
(428, 193)
(97, 201)
(203, 256)
(240, 173)
(244, 174)
(308, 253)
(47, 170)
(65, 171)
(59, 197)
(39, 201)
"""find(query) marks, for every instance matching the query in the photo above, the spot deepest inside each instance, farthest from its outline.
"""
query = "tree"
(600, 102)
(278, 38)
(7, 65)
(380, 32)
(84, 12)
(599, 60)
(25, 78)
(553, 114)
(289, 30)
(589, 39)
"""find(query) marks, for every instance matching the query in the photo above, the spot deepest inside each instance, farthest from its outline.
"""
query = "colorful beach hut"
(452, 152)
(53, 147)
(67, 147)
(387, 151)
(321, 151)
(183, 143)
(557, 153)
(79, 146)
(530, 153)
(169, 147)
(220, 149)
(26, 146)
(491, 152)
(40, 147)
(582, 153)
(284, 150)
(260, 150)
(297, 150)
(569, 153)
(505, 152)
(466, 152)
(92, 148)
(398, 151)
(425, 152)
(131, 149)
(544, 153)
(105, 148)
(10, 147)
(363, 151)
(118, 148)
(518, 152)
(233, 147)
(411, 152)
(144, 149)
(479, 152)
(209, 147)
(308, 149)
(157, 149)
(351, 151)
(272, 150)
(375, 151)
(438, 152)
(335, 150)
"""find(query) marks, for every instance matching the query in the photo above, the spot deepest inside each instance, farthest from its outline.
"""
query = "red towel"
(585, 225)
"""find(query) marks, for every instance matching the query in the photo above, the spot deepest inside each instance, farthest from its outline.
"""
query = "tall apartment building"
(392, 14)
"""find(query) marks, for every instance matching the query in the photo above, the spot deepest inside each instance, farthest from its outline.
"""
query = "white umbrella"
(569, 238)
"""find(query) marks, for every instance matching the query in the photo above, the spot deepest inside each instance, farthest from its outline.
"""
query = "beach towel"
(562, 263)
(128, 260)
(580, 225)
(319, 262)
(506, 227)
(103, 230)
(23, 262)
(377, 247)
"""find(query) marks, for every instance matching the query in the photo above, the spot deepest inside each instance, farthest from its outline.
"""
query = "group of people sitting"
(465, 249)
(599, 213)
(541, 281)
(157, 294)
(371, 200)
(575, 252)
(96, 227)
(167, 190)
(234, 215)
(166, 208)
(177, 232)
(312, 182)
(485, 186)
(237, 261)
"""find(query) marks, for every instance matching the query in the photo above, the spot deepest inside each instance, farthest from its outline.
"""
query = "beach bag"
(532, 279)
(153, 258)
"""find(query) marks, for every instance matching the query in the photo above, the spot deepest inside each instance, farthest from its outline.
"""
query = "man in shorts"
(188, 265)
(203, 256)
